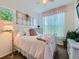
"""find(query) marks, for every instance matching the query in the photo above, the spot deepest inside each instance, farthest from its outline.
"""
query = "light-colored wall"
(76, 16)
(70, 18)
(70, 21)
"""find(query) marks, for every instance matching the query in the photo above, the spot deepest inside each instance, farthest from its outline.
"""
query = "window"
(54, 24)
(34, 22)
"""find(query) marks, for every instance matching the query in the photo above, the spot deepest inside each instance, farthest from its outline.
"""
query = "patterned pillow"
(32, 32)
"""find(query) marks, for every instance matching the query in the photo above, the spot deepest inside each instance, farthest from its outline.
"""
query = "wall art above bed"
(22, 18)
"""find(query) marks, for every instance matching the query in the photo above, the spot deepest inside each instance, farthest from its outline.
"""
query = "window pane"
(33, 22)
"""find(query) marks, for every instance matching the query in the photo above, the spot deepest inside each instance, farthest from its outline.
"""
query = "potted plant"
(73, 35)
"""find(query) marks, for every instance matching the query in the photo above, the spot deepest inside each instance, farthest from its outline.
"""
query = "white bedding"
(36, 48)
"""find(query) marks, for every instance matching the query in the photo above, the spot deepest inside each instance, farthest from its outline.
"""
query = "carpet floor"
(61, 53)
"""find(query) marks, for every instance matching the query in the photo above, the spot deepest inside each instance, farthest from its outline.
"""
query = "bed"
(33, 48)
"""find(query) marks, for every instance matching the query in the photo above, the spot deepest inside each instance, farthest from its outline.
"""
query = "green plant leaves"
(6, 14)
(72, 35)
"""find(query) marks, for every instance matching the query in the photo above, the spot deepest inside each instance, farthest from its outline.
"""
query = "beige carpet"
(60, 54)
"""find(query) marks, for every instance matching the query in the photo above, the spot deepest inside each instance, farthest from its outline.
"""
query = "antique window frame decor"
(21, 18)
(77, 8)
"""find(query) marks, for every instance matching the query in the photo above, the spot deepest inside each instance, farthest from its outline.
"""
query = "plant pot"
(77, 39)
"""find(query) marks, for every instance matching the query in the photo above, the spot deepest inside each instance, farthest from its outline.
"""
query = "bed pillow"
(32, 32)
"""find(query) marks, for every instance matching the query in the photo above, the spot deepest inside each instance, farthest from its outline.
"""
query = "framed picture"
(77, 8)
(22, 18)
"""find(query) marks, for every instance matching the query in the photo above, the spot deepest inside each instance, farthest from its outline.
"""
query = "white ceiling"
(33, 7)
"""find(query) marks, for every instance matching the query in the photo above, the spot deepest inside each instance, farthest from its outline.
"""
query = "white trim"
(5, 54)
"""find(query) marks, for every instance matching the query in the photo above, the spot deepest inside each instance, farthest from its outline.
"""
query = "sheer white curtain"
(54, 21)
(54, 24)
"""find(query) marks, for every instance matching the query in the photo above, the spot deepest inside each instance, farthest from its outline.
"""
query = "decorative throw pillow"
(32, 32)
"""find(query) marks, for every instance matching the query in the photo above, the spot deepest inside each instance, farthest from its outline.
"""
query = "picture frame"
(77, 8)
(21, 18)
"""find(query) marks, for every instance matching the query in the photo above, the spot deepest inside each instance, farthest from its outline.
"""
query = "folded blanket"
(46, 40)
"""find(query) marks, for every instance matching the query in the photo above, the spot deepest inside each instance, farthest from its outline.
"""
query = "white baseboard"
(5, 54)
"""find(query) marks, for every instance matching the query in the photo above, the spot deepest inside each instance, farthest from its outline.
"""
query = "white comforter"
(36, 48)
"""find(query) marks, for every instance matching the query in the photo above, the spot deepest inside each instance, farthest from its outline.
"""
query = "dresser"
(73, 49)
